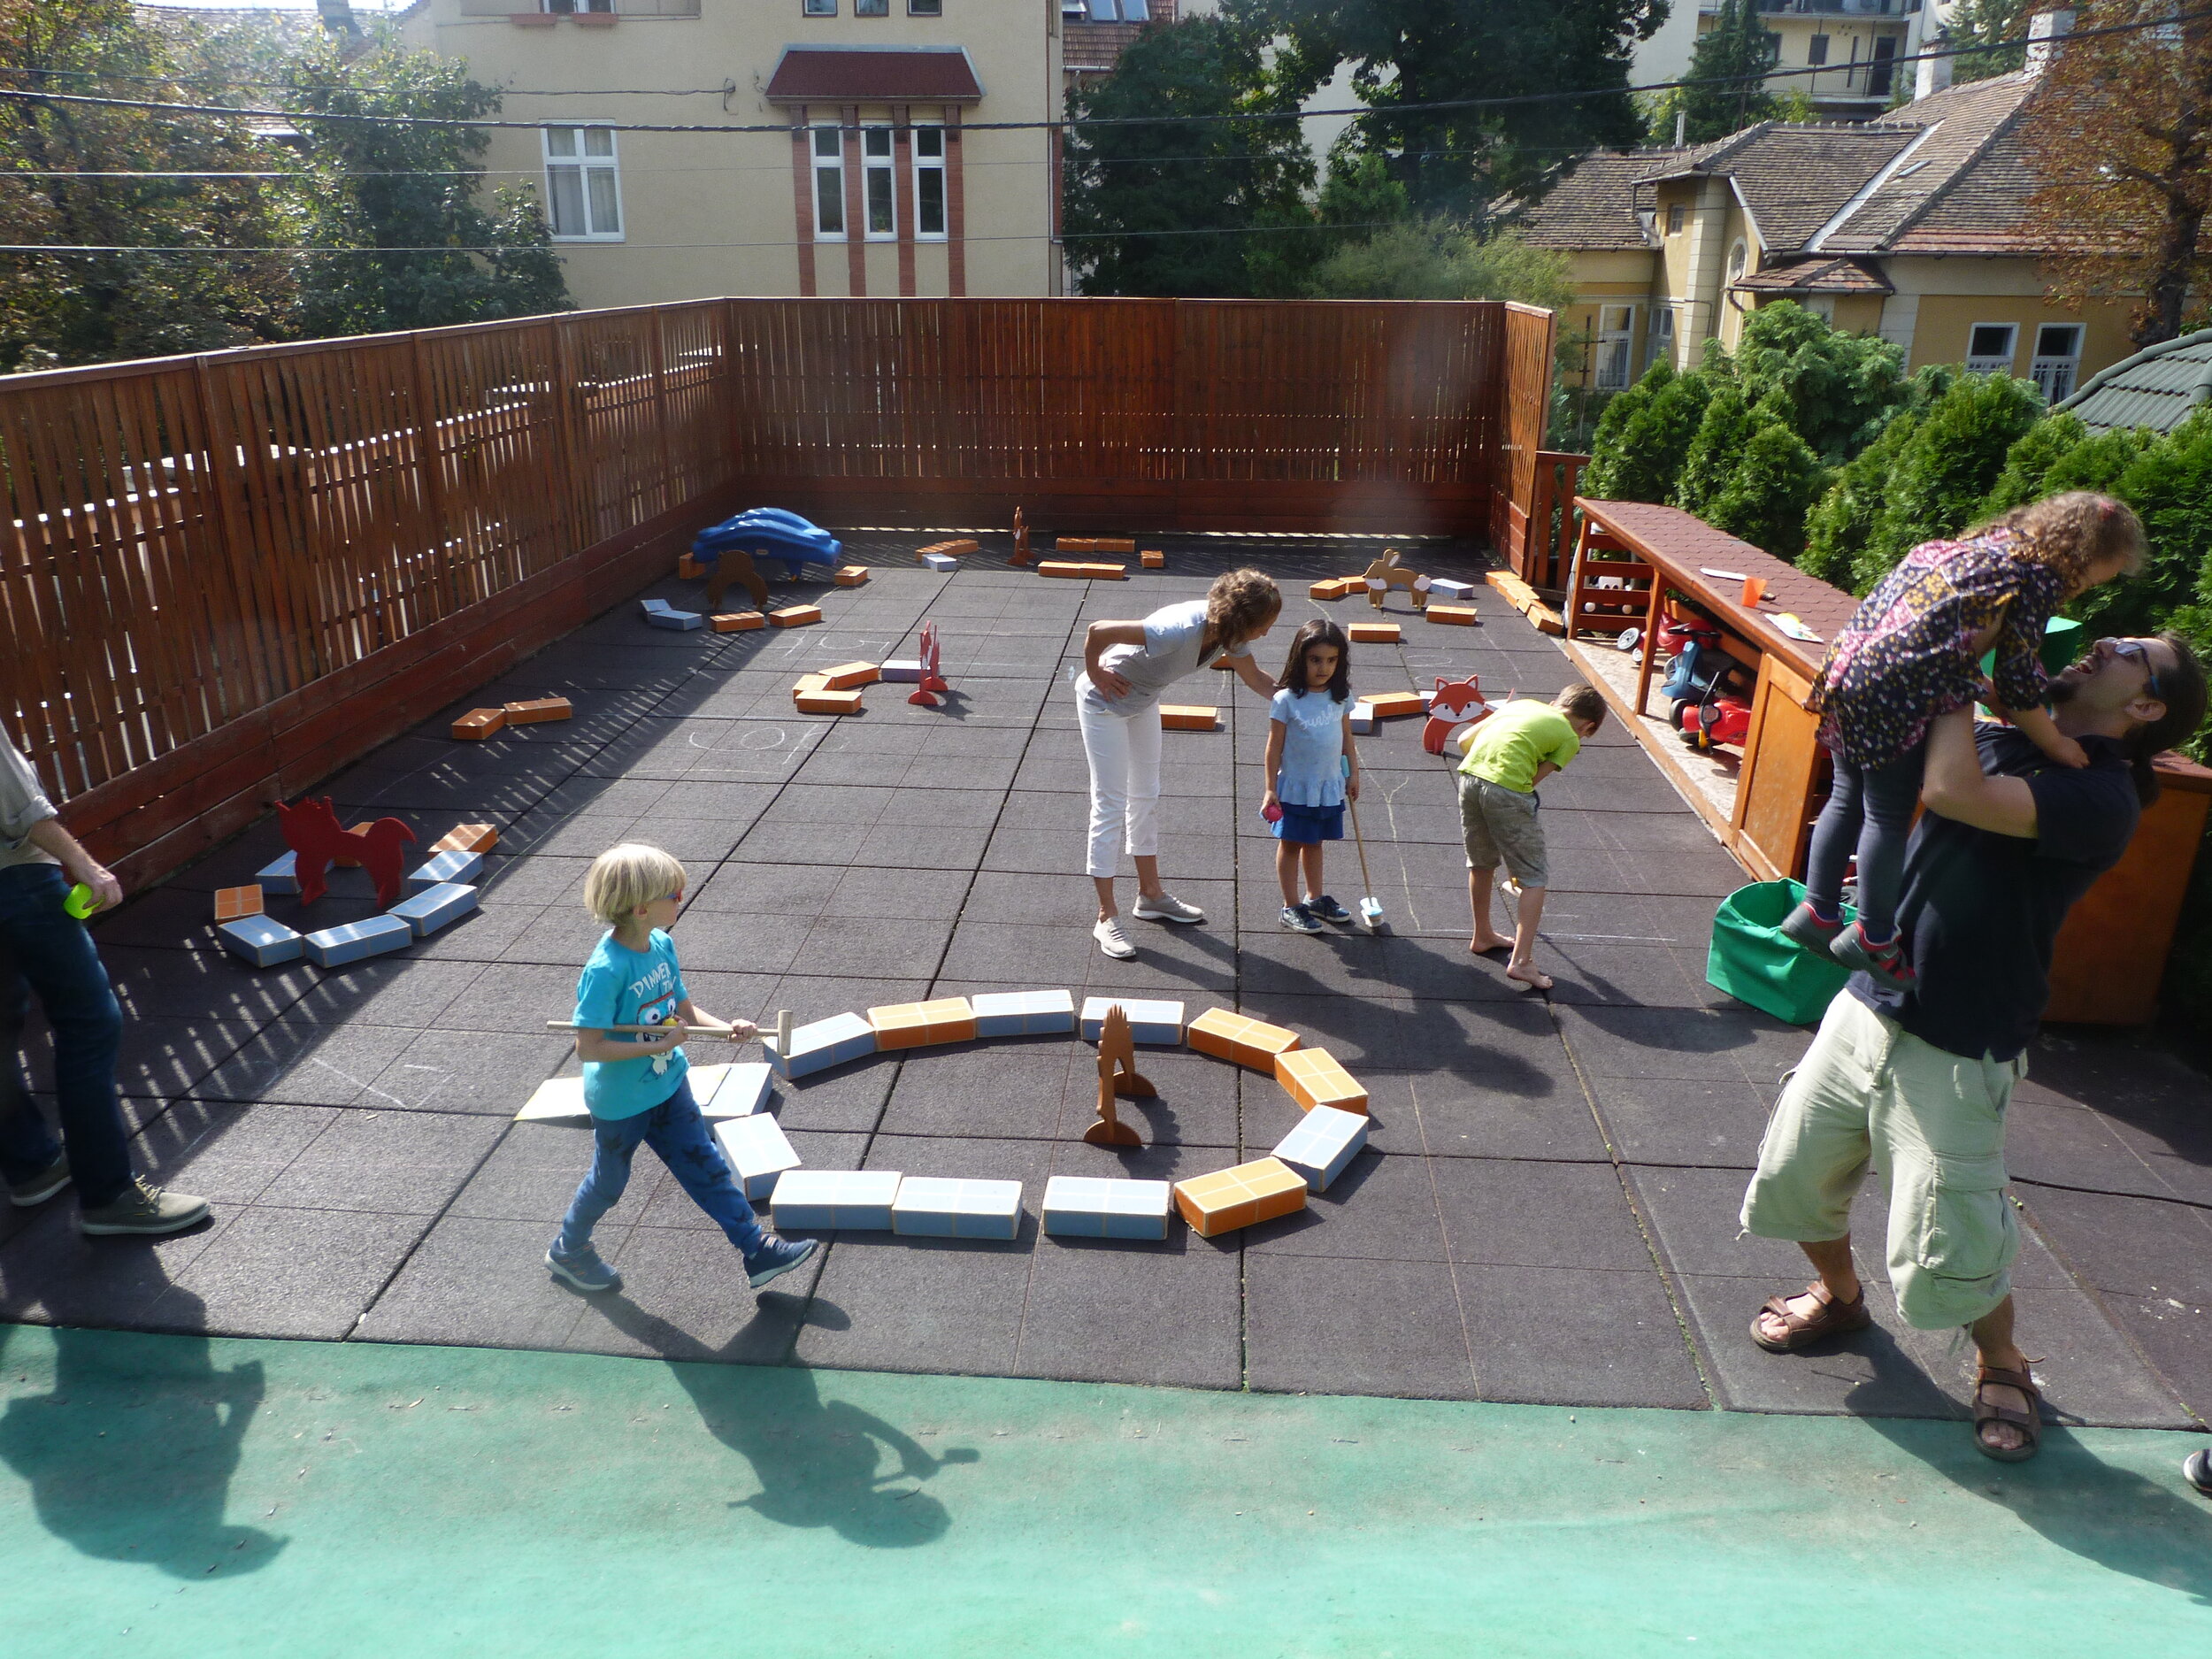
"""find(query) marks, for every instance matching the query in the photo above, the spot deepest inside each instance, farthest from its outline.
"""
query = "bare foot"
(1528, 974)
(1483, 943)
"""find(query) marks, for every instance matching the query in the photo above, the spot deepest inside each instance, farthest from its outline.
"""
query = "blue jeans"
(44, 949)
(1868, 811)
(675, 1130)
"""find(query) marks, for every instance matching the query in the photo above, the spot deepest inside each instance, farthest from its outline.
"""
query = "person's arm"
(1544, 769)
(1955, 786)
(1351, 754)
(732, 1029)
(1274, 764)
(1097, 639)
(2043, 730)
(1249, 671)
(49, 836)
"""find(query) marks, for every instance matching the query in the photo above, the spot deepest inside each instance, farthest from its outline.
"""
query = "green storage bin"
(1752, 961)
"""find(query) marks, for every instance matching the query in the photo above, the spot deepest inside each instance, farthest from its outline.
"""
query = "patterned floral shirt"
(1908, 655)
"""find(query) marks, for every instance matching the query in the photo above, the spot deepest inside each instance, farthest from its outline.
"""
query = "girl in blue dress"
(1312, 768)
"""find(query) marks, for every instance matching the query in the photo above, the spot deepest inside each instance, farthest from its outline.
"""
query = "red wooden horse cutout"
(313, 832)
(932, 680)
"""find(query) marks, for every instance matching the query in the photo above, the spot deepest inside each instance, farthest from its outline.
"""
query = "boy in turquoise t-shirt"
(636, 1084)
(1520, 744)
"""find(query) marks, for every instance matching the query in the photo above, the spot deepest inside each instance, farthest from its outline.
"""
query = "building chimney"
(337, 16)
(1932, 74)
(2045, 29)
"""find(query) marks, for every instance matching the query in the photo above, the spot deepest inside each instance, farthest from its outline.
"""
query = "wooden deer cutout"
(1117, 1075)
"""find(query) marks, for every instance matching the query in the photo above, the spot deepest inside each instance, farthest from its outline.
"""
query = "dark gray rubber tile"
(1695, 1215)
(534, 1172)
(684, 1296)
(1459, 1119)
(1196, 1104)
(1691, 1043)
(1627, 976)
(847, 1099)
(395, 992)
(1381, 1208)
(1569, 1336)
(1338, 1324)
(479, 1282)
(1013, 1089)
(397, 1163)
(849, 945)
(159, 1058)
(1006, 954)
(2128, 1245)
(272, 1271)
(1678, 1120)
(470, 1071)
(2059, 1144)
(733, 941)
(1505, 1214)
(1871, 1373)
(52, 1274)
(1163, 1314)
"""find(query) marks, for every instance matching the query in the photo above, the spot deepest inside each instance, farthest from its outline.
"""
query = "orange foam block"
(539, 711)
(1063, 567)
(850, 575)
(1389, 705)
(918, 1024)
(954, 549)
(810, 682)
(1185, 717)
(796, 616)
(1334, 586)
(479, 723)
(1229, 1199)
(1239, 1039)
(827, 702)
(1453, 615)
(845, 676)
(688, 569)
(737, 622)
(1153, 559)
(232, 903)
(467, 838)
(340, 861)
(1313, 1077)
(1094, 544)
(1374, 633)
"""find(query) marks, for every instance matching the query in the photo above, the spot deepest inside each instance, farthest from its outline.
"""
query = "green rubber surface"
(205, 1497)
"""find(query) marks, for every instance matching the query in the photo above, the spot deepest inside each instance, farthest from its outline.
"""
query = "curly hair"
(1319, 631)
(2076, 529)
(1241, 606)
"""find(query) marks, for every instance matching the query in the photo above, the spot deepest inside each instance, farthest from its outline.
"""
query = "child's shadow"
(816, 1461)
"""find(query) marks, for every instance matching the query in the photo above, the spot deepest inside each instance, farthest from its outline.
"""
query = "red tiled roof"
(1819, 276)
(870, 74)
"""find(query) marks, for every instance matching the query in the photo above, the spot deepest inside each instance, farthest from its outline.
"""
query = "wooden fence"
(224, 577)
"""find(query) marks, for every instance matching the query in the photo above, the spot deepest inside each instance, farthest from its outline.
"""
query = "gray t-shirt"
(1170, 649)
(23, 808)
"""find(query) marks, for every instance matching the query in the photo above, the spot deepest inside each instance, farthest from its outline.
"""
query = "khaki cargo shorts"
(1501, 826)
(1870, 1093)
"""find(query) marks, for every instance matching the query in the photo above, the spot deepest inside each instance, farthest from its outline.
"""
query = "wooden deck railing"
(223, 577)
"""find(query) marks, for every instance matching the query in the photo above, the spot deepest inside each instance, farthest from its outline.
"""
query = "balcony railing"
(1843, 8)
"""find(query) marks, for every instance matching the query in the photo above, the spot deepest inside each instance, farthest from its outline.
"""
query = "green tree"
(2028, 460)
(1730, 62)
(1946, 469)
(1214, 208)
(1434, 259)
(2170, 484)
(1980, 25)
(1774, 480)
(1643, 439)
(432, 252)
(1722, 433)
(1838, 388)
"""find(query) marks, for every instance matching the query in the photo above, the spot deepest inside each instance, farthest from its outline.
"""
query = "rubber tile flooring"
(1546, 1210)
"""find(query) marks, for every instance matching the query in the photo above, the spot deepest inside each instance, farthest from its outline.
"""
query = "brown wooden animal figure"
(1389, 572)
(734, 564)
(1117, 1075)
(1021, 539)
(313, 832)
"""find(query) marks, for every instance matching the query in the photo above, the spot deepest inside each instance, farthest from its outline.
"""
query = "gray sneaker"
(41, 1186)
(585, 1270)
(143, 1208)
(1167, 908)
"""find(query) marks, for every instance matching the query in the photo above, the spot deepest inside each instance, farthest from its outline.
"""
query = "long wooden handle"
(652, 1030)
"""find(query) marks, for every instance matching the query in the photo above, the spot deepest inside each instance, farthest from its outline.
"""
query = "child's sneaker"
(1806, 926)
(583, 1271)
(1329, 911)
(776, 1257)
(1884, 963)
(1298, 919)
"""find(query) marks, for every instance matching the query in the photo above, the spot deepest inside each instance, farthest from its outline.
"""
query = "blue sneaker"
(1329, 911)
(776, 1257)
(1298, 919)
(583, 1271)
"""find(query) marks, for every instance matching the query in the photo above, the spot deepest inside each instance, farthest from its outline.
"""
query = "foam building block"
(232, 903)
(1107, 572)
(1454, 616)
(1063, 567)
(1324, 1141)
(1374, 633)
(688, 569)
(1229, 1199)
(1314, 1078)
(453, 865)
(796, 616)
(943, 563)
(737, 622)
(845, 676)
(1094, 544)
(848, 1200)
(1335, 586)
(432, 908)
(334, 946)
(1155, 1025)
(950, 550)
(1178, 716)
(1363, 721)
(1239, 1039)
(1089, 1207)
(556, 1100)
(1451, 592)
(347, 860)
(1391, 706)
(479, 723)
(539, 710)
(849, 575)
(759, 1152)
(279, 876)
(261, 941)
(920, 1024)
(736, 1090)
(1023, 1013)
(661, 614)
(903, 669)
(1153, 559)
(468, 838)
(827, 702)
(825, 1043)
(928, 1207)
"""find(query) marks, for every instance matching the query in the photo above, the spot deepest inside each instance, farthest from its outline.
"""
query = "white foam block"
(824, 1043)
(1023, 1013)
(556, 1100)
(824, 1200)
(281, 876)
(736, 1090)
(901, 668)
(260, 940)
(939, 562)
(1155, 1025)
(1090, 1207)
(760, 1154)
(930, 1208)
(1445, 587)
(1362, 719)
(1324, 1141)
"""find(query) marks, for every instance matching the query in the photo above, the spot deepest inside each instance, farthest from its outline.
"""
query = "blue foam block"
(261, 941)
(1023, 1013)
(434, 907)
(758, 1151)
(1089, 1207)
(825, 1043)
(280, 876)
(453, 865)
(821, 1200)
(928, 1208)
(1324, 1141)
(1156, 1025)
(334, 946)
(661, 614)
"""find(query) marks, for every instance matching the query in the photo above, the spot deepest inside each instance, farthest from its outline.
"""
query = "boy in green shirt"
(1521, 743)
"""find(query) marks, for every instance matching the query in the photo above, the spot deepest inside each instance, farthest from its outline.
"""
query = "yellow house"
(865, 180)
(1908, 226)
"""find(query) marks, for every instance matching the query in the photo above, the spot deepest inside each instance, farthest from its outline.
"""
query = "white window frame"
(1661, 338)
(1614, 344)
(1677, 217)
(1739, 261)
(832, 165)
(2054, 372)
(1989, 361)
(872, 167)
(932, 164)
(584, 165)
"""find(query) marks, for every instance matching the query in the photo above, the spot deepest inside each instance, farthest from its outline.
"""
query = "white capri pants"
(1124, 750)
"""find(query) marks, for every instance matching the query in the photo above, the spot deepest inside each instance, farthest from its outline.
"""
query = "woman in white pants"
(1125, 667)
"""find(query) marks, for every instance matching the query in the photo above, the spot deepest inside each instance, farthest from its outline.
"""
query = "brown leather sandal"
(1833, 1318)
(2029, 1422)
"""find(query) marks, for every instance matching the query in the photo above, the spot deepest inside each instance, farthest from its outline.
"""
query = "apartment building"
(1842, 54)
(868, 182)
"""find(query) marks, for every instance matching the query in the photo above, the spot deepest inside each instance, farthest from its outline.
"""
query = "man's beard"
(2063, 692)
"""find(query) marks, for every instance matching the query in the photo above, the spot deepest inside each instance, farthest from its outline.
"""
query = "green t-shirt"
(1517, 738)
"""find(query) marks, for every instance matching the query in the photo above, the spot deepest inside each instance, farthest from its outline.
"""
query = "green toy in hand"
(82, 901)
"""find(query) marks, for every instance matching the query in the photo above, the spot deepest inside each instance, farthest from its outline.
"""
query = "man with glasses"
(1915, 1082)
